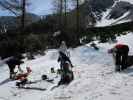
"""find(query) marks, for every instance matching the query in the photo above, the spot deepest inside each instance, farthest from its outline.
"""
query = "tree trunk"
(23, 15)
(65, 11)
(60, 20)
(77, 15)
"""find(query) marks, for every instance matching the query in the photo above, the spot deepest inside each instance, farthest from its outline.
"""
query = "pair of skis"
(22, 86)
(38, 88)
(32, 88)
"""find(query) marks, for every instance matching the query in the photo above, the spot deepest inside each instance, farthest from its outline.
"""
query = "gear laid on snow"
(33, 88)
(44, 77)
(52, 70)
(94, 46)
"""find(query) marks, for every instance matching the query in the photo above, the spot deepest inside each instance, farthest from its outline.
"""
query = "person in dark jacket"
(120, 52)
(62, 59)
(12, 62)
(65, 66)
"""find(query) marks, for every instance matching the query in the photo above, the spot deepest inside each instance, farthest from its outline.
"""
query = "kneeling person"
(66, 74)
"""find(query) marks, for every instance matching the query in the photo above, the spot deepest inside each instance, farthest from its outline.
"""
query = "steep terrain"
(106, 12)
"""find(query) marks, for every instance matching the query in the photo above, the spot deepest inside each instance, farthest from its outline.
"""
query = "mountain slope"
(106, 12)
(11, 22)
(120, 12)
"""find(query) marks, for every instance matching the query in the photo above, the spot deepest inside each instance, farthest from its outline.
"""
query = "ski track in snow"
(94, 75)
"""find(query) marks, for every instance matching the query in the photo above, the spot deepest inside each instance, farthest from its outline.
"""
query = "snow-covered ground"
(95, 78)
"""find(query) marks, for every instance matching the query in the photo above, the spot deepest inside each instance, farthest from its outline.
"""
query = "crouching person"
(66, 74)
(23, 77)
(12, 63)
(120, 54)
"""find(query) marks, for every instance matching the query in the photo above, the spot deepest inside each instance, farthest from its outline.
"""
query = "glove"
(110, 51)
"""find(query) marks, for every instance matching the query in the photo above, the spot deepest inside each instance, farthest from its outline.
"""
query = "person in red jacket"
(120, 52)
(23, 77)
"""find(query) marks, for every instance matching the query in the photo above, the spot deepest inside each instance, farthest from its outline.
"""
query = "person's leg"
(124, 60)
(61, 65)
(61, 80)
(118, 62)
(11, 68)
(125, 57)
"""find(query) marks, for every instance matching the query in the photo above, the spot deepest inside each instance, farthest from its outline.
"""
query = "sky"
(39, 7)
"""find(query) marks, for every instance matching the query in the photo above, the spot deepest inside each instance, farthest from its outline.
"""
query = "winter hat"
(28, 69)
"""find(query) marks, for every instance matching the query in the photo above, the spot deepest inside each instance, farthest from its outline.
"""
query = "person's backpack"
(66, 74)
(66, 77)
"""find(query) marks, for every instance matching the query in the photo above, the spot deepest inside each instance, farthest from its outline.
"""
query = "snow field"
(94, 75)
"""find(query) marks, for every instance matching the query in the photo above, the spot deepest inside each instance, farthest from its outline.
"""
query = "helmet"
(110, 51)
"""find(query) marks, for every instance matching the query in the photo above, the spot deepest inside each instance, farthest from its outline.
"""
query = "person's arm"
(112, 50)
(67, 53)
(19, 68)
(59, 59)
(70, 62)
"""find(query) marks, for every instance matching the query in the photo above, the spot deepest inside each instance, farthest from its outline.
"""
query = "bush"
(32, 43)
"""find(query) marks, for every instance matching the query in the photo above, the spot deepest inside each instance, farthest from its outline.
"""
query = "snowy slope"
(95, 78)
(130, 1)
(119, 6)
(107, 22)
